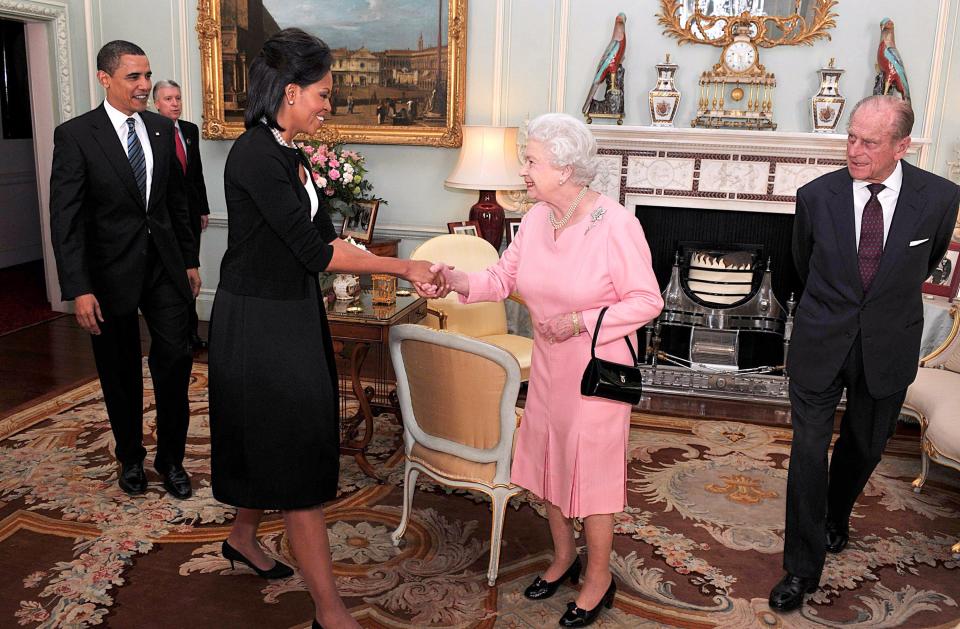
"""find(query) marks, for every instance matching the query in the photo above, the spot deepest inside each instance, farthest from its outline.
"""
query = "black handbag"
(606, 379)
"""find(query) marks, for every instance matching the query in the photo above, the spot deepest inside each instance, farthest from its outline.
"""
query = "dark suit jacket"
(99, 225)
(195, 187)
(834, 310)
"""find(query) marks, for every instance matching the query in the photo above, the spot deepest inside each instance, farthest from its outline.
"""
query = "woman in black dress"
(273, 386)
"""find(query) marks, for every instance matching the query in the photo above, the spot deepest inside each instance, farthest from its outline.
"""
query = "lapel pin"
(156, 133)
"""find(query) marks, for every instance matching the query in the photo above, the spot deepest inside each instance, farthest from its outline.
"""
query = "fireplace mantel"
(719, 169)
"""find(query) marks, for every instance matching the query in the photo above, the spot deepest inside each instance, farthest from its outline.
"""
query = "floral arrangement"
(339, 173)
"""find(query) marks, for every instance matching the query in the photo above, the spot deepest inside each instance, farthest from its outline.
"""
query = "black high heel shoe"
(316, 625)
(576, 617)
(278, 571)
(541, 589)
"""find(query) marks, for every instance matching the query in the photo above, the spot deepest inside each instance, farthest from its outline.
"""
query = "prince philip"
(864, 239)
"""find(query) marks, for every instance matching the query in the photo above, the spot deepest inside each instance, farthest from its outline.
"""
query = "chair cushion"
(520, 346)
(936, 394)
(450, 466)
(480, 319)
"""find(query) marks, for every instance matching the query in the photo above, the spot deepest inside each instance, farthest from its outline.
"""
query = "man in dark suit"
(865, 238)
(122, 240)
(168, 100)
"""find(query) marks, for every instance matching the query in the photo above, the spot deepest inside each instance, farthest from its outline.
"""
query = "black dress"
(274, 423)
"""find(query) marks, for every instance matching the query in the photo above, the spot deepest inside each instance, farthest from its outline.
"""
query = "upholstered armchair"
(486, 321)
(458, 401)
(934, 400)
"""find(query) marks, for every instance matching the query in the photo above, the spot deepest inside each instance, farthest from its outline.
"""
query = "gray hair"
(570, 142)
(902, 113)
(159, 85)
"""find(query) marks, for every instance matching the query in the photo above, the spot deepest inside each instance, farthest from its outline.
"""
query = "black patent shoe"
(316, 625)
(132, 478)
(577, 617)
(788, 594)
(278, 571)
(541, 589)
(837, 537)
(175, 480)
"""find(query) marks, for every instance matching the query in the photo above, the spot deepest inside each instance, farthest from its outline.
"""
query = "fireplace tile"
(792, 176)
(666, 173)
(729, 176)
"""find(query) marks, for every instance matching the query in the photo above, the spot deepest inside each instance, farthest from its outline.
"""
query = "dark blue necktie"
(137, 161)
(871, 237)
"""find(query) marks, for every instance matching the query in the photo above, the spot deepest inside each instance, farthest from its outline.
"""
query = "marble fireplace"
(728, 191)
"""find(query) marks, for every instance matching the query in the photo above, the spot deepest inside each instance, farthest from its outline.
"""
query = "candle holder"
(384, 289)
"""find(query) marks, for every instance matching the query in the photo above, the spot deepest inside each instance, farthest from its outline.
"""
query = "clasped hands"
(438, 280)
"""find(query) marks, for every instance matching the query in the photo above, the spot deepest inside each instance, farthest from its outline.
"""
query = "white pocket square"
(914, 243)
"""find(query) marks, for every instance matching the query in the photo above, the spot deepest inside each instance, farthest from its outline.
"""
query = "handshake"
(434, 280)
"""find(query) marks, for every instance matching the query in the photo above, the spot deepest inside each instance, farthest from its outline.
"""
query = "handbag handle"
(596, 332)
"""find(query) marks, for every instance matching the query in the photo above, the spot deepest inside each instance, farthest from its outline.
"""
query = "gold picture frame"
(218, 33)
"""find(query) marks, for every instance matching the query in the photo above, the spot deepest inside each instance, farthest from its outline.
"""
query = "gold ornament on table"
(828, 103)
(384, 289)
(738, 74)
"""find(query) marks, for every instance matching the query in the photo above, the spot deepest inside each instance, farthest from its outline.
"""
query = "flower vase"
(828, 103)
(664, 98)
(346, 286)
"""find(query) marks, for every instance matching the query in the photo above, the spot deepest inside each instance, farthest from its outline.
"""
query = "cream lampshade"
(488, 162)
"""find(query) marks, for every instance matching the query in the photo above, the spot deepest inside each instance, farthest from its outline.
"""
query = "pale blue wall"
(411, 178)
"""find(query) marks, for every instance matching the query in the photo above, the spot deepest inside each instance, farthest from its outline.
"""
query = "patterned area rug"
(699, 545)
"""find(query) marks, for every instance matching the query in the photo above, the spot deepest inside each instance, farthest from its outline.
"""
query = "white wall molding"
(404, 232)
(935, 105)
(501, 61)
(56, 14)
(179, 18)
(558, 60)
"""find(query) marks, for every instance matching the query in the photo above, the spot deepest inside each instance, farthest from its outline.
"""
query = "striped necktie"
(871, 237)
(137, 161)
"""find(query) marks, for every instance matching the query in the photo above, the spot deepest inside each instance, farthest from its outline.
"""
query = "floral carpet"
(699, 545)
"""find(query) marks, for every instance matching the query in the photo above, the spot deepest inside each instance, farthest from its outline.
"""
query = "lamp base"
(489, 214)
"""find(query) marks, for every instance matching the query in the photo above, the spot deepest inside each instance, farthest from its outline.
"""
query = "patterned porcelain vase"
(664, 98)
(828, 103)
(346, 286)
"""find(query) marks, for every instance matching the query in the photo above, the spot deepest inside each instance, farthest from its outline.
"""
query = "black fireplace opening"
(667, 227)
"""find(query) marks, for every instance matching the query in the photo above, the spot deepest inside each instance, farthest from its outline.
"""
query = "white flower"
(361, 544)
(356, 244)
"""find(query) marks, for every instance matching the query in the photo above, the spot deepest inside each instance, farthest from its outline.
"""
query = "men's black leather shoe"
(132, 479)
(197, 343)
(176, 481)
(788, 594)
(837, 538)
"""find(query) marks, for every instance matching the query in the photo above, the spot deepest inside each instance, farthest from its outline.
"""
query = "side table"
(361, 337)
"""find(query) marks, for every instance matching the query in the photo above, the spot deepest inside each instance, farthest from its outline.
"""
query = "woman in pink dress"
(576, 252)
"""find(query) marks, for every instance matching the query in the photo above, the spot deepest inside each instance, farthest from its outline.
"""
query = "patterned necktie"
(871, 237)
(181, 153)
(137, 161)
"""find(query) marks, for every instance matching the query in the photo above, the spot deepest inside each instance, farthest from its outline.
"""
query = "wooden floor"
(49, 358)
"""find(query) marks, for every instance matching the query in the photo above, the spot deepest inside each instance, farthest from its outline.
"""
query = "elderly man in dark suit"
(865, 238)
(122, 240)
(168, 101)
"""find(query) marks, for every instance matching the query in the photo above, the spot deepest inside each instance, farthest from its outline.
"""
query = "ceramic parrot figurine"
(610, 60)
(891, 72)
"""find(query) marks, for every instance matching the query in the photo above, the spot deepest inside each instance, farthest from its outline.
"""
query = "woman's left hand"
(557, 329)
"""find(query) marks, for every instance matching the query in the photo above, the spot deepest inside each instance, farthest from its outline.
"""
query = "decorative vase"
(489, 214)
(828, 103)
(664, 98)
(346, 286)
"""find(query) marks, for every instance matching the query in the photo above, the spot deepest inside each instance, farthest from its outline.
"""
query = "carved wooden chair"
(458, 401)
(934, 400)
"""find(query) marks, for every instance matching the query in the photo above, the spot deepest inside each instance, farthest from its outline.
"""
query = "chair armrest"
(949, 349)
(440, 315)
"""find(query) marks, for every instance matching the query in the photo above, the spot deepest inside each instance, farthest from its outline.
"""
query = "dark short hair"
(902, 111)
(108, 59)
(290, 56)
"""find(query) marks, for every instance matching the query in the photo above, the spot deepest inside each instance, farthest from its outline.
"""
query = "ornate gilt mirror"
(771, 22)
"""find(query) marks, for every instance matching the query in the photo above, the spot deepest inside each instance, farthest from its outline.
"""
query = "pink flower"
(334, 162)
(333, 174)
(308, 149)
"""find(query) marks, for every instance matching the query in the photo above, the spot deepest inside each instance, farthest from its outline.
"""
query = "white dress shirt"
(887, 197)
(119, 121)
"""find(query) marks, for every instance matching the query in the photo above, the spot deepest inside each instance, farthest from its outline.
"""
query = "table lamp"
(488, 162)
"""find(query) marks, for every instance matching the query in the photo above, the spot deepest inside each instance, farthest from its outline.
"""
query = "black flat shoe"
(316, 625)
(788, 594)
(197, 343)
(540, 589)
(837, 537)
(175, 480)
(278, 571)
(132, 478)
(577, 617)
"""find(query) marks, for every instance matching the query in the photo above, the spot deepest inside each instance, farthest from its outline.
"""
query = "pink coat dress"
(571, 450)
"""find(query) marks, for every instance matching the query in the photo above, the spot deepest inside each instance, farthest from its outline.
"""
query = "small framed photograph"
(513, 226)
(360, 225)
(945, 279)
(467, 228)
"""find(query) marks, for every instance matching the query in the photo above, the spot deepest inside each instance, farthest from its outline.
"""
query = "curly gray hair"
(570, 142)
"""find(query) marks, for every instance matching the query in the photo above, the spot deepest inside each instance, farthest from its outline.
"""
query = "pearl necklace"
(279, 138)
(566, 217)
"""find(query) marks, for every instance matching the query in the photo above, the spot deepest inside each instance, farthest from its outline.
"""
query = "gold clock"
(737, 93)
